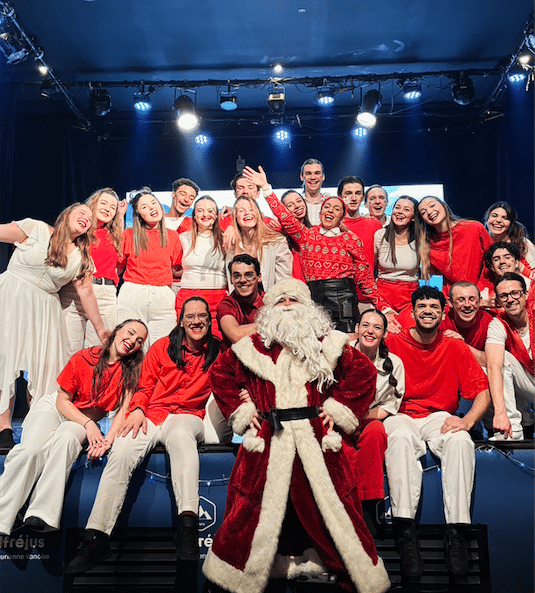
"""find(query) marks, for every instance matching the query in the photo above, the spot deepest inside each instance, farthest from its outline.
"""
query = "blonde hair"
(115, 226)
(58, 246)
(140, 240)
(261, 235)
(216, 229)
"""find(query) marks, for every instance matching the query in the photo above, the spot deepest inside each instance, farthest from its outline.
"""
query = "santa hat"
(290, 287)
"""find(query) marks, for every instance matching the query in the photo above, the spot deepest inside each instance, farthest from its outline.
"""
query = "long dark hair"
(177, 335)
(130, 367)
(517, 231)
(140, 239)
(384, 353)
(415, 231)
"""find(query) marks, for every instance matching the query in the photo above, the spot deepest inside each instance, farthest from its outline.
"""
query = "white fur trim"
(252, 442)
(291, 567)
(341, 414)
(260, 364)
(332, 345)
(240, 419)
(332, 440)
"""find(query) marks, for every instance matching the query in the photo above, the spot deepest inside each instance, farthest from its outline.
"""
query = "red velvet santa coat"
(301, 461)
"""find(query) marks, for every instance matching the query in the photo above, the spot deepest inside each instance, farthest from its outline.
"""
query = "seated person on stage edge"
(95, 381)
(510, 352)
(437, 370)
(167, 408)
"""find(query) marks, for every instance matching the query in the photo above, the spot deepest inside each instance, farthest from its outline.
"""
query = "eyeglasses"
(248, 276)
(200, 316)
(504, 296)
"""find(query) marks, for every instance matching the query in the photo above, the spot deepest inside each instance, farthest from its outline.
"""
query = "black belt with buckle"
(275, 417)
(105, 281)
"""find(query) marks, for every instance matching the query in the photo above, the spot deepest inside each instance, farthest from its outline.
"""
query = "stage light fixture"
(142, 102)
(278, 68)
(463, 90)
(360, 132)
(16, 57)
(324, 97)
(281, 135)
(202, 140)
(412, 90)
(530, 43)
(48, 88)
(228, 100)
(516, 77)
(368, 108)
(186, 116)
(276, 100)
(99, 101)
(42, 69)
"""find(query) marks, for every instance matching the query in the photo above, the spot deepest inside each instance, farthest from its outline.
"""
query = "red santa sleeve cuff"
(342, 415)
(241, 418)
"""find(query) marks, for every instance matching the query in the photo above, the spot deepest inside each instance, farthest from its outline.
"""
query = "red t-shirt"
(77, 378)
(436, 374)
(365, 229)
(104, 256)
(470, 240)
(153, 266)
(164, 389)
(241, 310)
(474, 336)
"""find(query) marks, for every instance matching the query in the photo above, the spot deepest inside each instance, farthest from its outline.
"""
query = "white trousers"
(80, 330)
(518, 392)
(407, 440)
(180, 434)
(155, 305)
(48, 449)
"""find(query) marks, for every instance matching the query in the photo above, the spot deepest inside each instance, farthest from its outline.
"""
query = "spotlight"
(202, 140)
(360, 132)
(142, 102)
(276, 100)
(185, 113)
(463, 90)
(278, 68)
(516, 77)
(324, 97)
(43, 69)
(281, 136)
(48, 88)
(228, 100)
(412, 90)
(99, 102)
(368, 108)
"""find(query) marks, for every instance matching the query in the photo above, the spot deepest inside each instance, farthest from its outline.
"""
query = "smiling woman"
(33, 330)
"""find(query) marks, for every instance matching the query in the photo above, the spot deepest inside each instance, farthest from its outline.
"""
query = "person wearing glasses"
(510, 348)
(237, 311)
(168, 408)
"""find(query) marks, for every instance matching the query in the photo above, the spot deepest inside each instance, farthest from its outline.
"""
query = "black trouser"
(339, 297)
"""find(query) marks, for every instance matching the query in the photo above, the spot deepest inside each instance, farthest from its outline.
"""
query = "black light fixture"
(185, 113)
(412, 90)
(276, 100)
(463, 90)
(99, 101)
(324, 97)
(228, 100)
(368, 108)
(48, 88)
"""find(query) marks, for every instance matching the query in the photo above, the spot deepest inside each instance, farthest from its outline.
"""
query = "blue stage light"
(202, 140)
(281, 136)
(360, 132)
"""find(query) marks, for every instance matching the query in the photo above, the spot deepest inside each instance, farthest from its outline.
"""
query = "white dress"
(33, 335)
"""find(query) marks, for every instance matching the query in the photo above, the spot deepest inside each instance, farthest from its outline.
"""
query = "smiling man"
(510, 360)
(167, 408)
(237, 311)
(437, 370)
(184, 192)
(312, 175)
(376, 199)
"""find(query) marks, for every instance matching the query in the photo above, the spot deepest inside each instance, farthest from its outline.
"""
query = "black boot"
(408, 547)
(455, 549)
(187, 538)
(92, 551)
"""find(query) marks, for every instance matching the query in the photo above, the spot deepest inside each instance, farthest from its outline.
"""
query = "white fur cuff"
(241, 417)
(252, 442)
(342, 415)
(332, 440)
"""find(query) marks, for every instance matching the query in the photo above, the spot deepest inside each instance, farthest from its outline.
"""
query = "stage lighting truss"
(48, 88)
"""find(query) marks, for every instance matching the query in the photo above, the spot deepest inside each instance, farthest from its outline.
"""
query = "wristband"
(90, 420)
